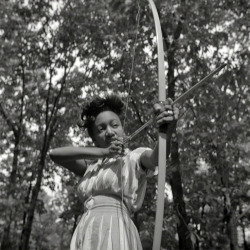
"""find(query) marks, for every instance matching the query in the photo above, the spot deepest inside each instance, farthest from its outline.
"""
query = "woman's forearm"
(149, 158)
(67, 154)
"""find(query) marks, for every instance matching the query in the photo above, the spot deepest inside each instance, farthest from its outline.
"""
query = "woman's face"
(107, 127)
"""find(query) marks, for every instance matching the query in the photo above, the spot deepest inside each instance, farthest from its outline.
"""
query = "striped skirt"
(105, 226)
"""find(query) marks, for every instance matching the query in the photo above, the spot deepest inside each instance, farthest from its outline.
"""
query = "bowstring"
(133, 62)
(130, 82)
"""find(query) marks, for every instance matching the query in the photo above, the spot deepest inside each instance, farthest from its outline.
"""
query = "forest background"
(57, 54)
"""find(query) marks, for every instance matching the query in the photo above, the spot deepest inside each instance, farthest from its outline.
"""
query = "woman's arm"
(166, 117)
(74, 158)
(149, 158)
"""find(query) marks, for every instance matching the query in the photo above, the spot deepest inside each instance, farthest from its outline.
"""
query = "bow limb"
(162, 136)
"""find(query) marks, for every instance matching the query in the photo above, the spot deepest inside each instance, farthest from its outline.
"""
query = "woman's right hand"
(115, 148)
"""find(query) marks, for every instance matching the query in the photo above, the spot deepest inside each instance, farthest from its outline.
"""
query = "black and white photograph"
(124, 125)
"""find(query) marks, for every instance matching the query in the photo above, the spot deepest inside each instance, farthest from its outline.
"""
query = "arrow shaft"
(178, 100)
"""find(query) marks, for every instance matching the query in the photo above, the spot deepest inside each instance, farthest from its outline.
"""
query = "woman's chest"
(106, 176)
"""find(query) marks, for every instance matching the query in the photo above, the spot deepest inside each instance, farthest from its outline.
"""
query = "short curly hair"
(98, 104)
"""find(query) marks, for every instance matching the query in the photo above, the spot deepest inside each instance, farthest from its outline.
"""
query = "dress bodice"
(121, 176)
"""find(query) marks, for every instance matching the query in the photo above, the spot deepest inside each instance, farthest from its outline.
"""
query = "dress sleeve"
(135, 157)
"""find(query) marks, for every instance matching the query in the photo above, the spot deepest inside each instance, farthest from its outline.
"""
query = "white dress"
(111, 190)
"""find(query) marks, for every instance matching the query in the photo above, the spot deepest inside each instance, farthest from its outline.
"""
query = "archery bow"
(162, 136)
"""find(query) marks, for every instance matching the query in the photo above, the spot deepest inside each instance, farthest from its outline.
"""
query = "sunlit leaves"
(87, 47)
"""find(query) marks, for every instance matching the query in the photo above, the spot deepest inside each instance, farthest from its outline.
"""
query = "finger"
(164, 120)
(117, 142)
(169, 101)
(164, 110)
(176, 113)
(115, 145)
(157, 108)
(167, 107)
(120, 139)
(118, 145)
(166, 113)
(120, 150)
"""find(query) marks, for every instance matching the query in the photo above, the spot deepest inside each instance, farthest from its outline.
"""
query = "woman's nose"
(109, 132)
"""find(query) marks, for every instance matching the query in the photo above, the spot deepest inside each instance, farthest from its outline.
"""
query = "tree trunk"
(50, 127)
(25, 236)
(231, 222)
(5, 243)
(245, 243)
(185, 242)
(16, 128)
(232, 231)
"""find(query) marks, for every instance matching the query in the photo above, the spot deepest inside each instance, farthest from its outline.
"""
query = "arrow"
(178, 100)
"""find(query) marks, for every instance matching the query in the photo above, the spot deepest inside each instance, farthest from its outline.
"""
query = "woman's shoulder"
(140, 150)
(135, 154)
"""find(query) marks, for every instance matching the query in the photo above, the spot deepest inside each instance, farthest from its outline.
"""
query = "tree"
(55, 56)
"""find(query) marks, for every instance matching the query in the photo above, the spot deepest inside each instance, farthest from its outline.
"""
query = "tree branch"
(8, 120)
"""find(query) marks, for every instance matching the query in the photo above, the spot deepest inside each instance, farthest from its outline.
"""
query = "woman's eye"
(100, 129)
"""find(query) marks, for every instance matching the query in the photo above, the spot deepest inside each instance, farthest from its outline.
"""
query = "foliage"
(56, 54)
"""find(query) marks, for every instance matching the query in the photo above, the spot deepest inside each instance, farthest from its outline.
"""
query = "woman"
(113, 180)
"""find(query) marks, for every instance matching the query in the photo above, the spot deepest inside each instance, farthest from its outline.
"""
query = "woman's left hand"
(165, 112)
